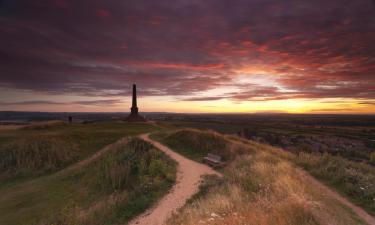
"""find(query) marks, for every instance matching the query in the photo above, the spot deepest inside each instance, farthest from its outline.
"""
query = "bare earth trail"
(189, 176)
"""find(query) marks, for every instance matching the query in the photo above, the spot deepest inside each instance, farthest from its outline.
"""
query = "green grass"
(352, 179)
(195, 145)
(259, 184)
(36, 154)
(111, 190)
(78, 141)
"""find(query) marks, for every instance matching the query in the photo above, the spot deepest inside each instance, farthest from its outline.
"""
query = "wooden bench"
(213, 160)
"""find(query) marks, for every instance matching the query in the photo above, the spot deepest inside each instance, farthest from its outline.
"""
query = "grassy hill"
(261, 185)
(43, 148)
(60, 174)
(43, 183)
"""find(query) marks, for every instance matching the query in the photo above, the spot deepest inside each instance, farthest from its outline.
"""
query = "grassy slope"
(84, 139)
(99, 193)
(260, 185)
(355, 180)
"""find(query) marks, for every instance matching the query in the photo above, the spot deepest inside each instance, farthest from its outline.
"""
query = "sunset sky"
(295, 56)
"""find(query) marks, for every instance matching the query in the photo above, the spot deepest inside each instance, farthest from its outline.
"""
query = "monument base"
(135, 118)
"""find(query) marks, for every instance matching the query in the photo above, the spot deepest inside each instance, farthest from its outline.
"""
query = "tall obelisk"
(134, 116)
(134, 108)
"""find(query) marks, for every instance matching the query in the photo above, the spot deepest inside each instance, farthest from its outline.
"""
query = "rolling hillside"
(261, 185)
(65, 174)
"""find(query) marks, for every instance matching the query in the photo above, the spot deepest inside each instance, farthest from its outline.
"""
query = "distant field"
(298, 136)
(109, 190)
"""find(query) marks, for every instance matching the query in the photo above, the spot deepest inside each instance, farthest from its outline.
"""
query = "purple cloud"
(317, 49)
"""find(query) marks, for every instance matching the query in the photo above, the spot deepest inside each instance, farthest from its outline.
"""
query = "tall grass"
(96, 194)
(195, 144)
(38, 153)
(50, 146)
(125, 182)
(353, 179)
(139, 164)
(260, 186)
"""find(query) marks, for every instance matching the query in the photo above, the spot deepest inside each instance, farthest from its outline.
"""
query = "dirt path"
(329, 192)
(187, 183)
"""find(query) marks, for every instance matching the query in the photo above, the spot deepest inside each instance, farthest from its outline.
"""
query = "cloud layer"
(250, 50)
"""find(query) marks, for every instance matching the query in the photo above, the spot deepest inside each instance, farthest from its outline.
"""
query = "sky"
(241, 56)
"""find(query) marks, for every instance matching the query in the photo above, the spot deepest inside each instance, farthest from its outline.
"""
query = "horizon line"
(206, 113)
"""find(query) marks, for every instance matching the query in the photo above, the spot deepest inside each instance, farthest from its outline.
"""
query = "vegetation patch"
(44, 148)
(129, 178)
(110, 190)
(355, 180)
(36, 154)
(260, 185)
(195, 144)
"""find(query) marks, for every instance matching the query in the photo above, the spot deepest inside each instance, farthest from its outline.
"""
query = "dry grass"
(36, 153)
(90, 187)
(260, 187)
(354, 180)
(127, 180)
(188, 141)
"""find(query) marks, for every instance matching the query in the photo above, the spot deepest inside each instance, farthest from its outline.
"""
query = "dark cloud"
(105, 102)
(367, 103)
(31, 103)
(203, 98)
(314, 49)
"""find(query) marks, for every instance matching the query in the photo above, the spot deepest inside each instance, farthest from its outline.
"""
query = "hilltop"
(101, 173)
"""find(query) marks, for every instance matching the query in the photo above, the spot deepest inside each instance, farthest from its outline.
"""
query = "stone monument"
(134, 116)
